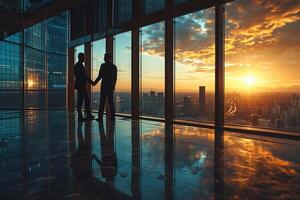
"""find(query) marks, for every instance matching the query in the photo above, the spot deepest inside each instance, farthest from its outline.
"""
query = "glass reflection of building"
(33, 64)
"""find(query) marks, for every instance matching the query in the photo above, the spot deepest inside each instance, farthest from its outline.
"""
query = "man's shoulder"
(77, 65)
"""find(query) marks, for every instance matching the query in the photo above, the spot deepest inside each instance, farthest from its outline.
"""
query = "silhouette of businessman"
(108, 74)
(80, 85)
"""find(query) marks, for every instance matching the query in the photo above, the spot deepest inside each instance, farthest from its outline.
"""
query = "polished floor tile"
(49, 155)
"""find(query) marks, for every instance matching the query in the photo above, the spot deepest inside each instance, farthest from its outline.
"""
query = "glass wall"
(195, 66)
(123, 62)
(11, 74)
(40, 66)
(152, 68)
(262, 85)
(99, 49)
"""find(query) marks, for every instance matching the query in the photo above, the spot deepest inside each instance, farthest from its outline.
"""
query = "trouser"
(110, 96)
(82, 95)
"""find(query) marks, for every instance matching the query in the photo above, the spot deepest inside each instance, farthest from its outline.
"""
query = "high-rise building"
(187, 106)
(202, 101)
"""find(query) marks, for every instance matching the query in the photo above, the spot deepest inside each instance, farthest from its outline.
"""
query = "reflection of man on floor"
(108, 74)
(108, 164)
(81, 158)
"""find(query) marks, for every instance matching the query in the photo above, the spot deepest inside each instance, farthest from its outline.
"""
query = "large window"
(123, 62)
(99, 49)
(263, 64)
(152, 70)
(195, 66)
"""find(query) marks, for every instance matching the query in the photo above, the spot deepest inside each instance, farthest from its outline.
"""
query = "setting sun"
(249, 80)
(30, 84)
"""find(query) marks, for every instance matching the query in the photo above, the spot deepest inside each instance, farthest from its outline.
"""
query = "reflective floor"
(48, 155)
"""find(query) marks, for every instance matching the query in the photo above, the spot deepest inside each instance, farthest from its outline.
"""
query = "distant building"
(202, 101)
(160, 95)
(152, 93)
(254, 119)
(279, 123)
(264, 123)
(187, 106)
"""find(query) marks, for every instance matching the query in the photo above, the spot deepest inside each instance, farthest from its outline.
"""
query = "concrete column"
(88, 64)
(110, 50)
(219, 65)
(135, 74)
(169, 69)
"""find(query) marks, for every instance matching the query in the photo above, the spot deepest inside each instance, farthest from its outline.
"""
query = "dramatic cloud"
(256, 23)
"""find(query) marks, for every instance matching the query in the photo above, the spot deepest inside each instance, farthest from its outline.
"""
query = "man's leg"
(87, 105)
(111, 104)
(79, 104)
(102, 104)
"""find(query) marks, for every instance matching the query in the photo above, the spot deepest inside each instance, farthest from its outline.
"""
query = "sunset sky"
(262, 49)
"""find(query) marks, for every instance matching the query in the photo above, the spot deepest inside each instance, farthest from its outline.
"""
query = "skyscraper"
(202, 101)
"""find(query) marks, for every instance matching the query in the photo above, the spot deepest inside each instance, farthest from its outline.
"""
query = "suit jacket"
(108, 74)
(80, 77)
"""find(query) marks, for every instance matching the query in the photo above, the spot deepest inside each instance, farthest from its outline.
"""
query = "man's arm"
(115, 76)
(99, 76)
(88, 79)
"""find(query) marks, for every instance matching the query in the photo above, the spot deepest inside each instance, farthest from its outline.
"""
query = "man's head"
(107, 57)
(81, 57)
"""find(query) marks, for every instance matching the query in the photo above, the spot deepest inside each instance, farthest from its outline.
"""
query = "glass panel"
(123, 10)
(123, 62)
(35, 36)
(35, 75)
(35, 99)
(57, 34)
(153, 5)
(195, 66)
(153, 69)
(262, 48)
(56, 71)
(11, 99)
(57, 99)
(99, 49)
(10, 65)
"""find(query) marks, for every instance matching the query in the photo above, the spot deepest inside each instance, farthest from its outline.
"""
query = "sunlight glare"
(249, 80)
